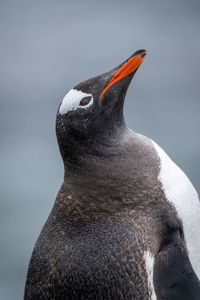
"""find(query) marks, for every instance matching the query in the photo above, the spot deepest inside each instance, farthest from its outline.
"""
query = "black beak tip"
(143, 53)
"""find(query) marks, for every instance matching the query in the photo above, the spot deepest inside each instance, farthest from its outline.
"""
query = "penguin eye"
(85, 101)
(75, 99)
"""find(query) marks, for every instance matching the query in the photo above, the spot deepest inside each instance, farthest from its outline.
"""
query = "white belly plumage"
(149, 264)
(182, 195)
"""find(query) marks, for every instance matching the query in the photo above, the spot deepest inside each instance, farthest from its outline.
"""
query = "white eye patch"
(72, 101)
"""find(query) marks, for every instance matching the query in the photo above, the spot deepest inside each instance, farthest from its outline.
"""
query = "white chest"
(181, 194)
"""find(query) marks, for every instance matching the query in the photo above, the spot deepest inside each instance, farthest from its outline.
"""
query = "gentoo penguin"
(126, 221)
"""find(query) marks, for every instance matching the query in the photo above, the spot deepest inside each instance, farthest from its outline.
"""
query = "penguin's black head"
(92, 112)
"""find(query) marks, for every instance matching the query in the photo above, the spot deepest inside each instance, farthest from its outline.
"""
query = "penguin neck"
(108, 175)
(87, 155)
(97, 160)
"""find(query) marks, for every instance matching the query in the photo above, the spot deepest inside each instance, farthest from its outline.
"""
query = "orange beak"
(128, 68)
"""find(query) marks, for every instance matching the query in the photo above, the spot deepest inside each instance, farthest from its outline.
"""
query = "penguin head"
(92, 112)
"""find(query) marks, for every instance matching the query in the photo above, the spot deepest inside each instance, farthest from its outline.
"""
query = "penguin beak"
(129, 67)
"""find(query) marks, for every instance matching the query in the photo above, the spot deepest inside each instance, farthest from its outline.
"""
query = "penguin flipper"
(175, 278)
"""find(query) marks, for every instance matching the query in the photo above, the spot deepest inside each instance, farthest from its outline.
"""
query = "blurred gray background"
(47, 47)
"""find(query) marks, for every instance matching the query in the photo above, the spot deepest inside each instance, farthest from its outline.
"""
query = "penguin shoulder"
(180, 192)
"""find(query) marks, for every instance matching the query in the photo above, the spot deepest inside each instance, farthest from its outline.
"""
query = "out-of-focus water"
(49, 46)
